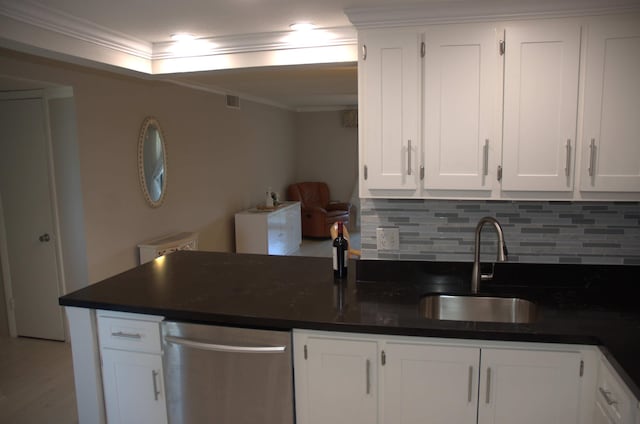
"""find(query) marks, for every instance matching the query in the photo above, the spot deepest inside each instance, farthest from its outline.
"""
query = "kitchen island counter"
(576, 304)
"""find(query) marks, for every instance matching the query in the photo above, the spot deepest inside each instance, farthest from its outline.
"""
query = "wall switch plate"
(388, 238)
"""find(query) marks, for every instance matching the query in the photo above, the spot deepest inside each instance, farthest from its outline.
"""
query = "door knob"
(44, 238)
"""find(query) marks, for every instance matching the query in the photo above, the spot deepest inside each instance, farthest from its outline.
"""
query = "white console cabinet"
(269, 232)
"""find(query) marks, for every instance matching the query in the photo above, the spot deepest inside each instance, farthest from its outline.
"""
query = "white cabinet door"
(540, 105)
(529, 387)
(390, 102)
(336, 383)
(133, 387)
(434, 384)
(461, 115)
(611, 123)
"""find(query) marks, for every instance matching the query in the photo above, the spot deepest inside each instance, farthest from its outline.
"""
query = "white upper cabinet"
(542, 61)
(461, 113)
(390, 103)
(611, 119)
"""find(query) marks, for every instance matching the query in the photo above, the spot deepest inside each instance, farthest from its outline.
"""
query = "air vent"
(233, 102)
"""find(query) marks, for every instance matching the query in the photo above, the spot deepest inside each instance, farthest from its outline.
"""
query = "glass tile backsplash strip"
(535, 232)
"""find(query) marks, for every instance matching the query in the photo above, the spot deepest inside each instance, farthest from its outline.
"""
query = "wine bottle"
(340, 253)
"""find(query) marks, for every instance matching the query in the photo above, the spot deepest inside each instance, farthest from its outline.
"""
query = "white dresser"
(272, 232)
(151, 249)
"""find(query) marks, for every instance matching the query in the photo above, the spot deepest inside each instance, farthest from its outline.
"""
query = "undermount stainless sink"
(478, 308)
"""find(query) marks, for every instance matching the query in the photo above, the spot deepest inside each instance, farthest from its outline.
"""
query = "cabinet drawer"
(129, 334)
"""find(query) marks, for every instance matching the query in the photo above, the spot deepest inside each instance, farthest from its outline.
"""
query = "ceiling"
(152, 22)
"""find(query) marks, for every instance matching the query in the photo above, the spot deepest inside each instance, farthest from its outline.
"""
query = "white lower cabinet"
(133, 387)
(615, 404)
(335, 380)
(529, 387)
(132, 376)
(439, 382)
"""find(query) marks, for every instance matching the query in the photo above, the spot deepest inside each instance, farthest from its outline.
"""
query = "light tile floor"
(36, 382)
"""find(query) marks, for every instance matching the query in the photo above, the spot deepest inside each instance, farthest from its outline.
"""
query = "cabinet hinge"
(364, 52)
(383, 358)
(501, 46)
(422, 172)
(581, 368)
(423, 49)
(306, 355)
(365, 172)
(499, 173)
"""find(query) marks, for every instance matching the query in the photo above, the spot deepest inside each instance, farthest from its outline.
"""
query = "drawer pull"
(133, 336)
(470, 388)
(488, 397)
(606, 394)
(156, 391)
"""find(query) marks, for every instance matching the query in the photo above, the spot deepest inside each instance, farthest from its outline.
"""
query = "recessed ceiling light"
(302, 26)
(182, 36)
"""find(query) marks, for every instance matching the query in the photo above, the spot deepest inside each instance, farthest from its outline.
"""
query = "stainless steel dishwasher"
(224, 375)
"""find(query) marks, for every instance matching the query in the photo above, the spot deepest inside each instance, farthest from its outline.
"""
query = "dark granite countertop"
(576, 304)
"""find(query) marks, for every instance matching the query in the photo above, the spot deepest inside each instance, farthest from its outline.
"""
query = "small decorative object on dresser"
(151, 249)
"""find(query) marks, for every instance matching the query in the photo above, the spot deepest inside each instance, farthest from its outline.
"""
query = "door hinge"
(383, 358)
(364, 52)
(422, 172)
(499, 173)
(423, 49)
(365, 172)
(306, 355)
(502, 47)
(581, 368)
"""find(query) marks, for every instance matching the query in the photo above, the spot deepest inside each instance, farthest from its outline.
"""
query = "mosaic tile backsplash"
(535, 232)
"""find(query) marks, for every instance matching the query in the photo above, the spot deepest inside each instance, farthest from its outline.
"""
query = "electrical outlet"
(388, 238)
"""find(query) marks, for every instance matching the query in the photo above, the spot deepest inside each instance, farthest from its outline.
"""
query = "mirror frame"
(146, 124)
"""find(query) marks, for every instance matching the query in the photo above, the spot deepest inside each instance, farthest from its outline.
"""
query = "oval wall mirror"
(152, 162)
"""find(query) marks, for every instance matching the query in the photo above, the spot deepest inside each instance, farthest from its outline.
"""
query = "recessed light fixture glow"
(302, 26)
(182, 36)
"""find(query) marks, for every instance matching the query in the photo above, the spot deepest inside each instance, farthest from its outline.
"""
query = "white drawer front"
(129, 334)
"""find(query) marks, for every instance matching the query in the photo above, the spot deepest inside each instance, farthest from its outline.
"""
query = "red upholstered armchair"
(318, 213)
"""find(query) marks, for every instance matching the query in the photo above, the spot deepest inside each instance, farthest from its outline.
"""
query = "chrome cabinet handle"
(156, 392)
(224, 348)
(469, 394)
(567, 165)
(136, 336)
(368, 375)
(485, 166)
(364, 52)
(488, 397)
(409, 157)
(592, 157)
(606, 394)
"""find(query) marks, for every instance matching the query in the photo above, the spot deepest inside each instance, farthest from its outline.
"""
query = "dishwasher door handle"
(224, 348)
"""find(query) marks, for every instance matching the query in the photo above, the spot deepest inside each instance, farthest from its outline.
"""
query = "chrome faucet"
(476, 276)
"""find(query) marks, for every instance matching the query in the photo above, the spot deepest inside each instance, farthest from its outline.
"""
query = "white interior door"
(30, 254)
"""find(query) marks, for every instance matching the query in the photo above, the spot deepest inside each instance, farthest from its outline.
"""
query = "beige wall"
(219, 160)
(328, 152)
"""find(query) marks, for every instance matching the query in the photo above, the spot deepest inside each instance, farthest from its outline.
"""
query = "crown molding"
(442, 11)
(259, 42)
(50, 19)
